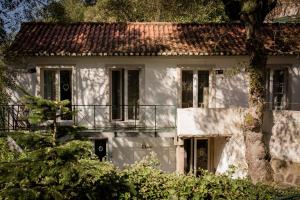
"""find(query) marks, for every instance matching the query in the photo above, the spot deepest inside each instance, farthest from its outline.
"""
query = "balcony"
(209, 122)
(149, 118)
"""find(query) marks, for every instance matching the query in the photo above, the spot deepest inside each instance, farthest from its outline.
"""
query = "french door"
(125, 94)
(197, 155)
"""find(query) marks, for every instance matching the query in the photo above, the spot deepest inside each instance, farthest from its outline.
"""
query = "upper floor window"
(56, 84)
(277, 89)
(125, 93)
(195, 88)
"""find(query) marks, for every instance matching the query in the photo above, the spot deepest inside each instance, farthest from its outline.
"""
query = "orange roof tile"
(148, 38)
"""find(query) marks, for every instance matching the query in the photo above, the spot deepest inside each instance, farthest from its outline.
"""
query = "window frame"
(196, 69)
(270, 86)
(40, 82)
(126, 68)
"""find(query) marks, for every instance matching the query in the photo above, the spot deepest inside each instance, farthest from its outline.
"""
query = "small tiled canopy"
(148, 39)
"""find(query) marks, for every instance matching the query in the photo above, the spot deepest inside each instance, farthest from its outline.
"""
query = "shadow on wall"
(127, 150)
(232, 90)
(26, 81)
(282, 131)
(161, 89)
(293, 91)
(92, 89)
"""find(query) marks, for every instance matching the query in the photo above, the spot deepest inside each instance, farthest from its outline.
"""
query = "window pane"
(116, 94)
(133, 93)
(66, 89)
(202, 155)
(203, 88)
(187, 88)
(49, 84)
(278, 89)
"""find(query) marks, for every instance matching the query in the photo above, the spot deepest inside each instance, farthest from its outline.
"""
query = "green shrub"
(71, 171)
(151, 183)
(6, 154)
(30, 141)
(68, 171)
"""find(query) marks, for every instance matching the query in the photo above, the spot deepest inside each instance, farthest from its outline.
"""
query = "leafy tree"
(135, 10)
(2, 31)
(253, 13)
(44, 110)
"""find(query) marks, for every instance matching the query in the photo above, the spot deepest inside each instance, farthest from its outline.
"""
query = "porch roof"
(148, 39)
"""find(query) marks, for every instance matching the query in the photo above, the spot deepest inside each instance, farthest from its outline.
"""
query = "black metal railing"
(96, 117)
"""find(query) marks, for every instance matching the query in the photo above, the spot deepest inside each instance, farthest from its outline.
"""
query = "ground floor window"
(125, 94)
(195, 88)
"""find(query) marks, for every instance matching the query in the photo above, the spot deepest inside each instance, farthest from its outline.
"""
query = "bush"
(151, 183)
(6, 154)
(68, 171)
(71, 171)
(30, 141)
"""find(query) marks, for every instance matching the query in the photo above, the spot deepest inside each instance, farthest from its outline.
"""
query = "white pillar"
(180, 156)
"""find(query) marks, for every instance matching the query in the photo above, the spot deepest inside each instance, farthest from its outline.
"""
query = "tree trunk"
(257, 154)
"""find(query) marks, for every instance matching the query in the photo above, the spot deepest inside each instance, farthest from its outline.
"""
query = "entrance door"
(197, 155)
(201, 156)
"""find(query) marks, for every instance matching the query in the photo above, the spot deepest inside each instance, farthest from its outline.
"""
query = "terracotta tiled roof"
(144, 39)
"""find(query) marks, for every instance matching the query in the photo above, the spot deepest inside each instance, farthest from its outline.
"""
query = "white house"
(176, 89)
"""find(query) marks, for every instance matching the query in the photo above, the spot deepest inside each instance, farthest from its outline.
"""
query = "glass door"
(117, 94)
(201, 155)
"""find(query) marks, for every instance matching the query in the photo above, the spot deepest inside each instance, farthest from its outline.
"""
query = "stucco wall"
(27, 81)
(282, 136)
(128, 150)
(160, 86)
(161, 78)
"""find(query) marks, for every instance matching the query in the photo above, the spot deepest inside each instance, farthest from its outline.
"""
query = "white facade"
(160, 84)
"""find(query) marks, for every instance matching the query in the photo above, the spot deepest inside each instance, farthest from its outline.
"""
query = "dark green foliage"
(30, 141)
(6, 154)
(70, 171)
(41, 110)
(72, 131)
(135, 10)
(151, 183)
(46, 111)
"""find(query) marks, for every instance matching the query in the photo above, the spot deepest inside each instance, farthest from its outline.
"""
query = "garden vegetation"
(70, 170)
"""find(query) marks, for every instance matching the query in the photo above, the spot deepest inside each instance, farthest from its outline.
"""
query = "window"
(133, 93)
(49, 85)
(125, 95)
(203, 82)
(277, 89)
(195, 88)
(187, 88)
(57, 85)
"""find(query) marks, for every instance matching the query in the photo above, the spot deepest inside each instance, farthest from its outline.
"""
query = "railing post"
(74, 115)
(94, 116)
(155, 118)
